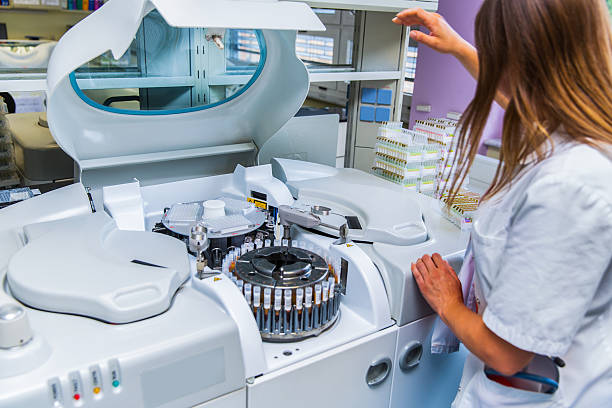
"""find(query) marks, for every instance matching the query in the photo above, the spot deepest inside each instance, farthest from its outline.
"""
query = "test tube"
(277, 242)
(288, 299)
(331, 309)
(247, 293)
(308, 298)
(288, 306)
(285, 242)
(337, 269)
(256, 296)
(298, 321)
(316, 320)
(267, 243)
(258, 243)
(325, 291)
(278, 297)
(325, 298)
(256, 309)
(232, 264)
(240, 284)
(308, 305)
(267, 314)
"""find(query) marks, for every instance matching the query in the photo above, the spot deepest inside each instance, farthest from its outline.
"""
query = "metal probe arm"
(198, 243)
(289, 216)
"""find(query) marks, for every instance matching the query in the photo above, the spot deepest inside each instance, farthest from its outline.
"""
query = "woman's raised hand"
(441, 37)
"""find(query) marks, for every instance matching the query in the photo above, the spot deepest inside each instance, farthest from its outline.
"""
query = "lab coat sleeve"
(558, 249)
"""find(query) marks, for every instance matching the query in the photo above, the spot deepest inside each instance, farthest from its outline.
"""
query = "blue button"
(385, 96)
(368, 95)
(383, 114)
(366, 113)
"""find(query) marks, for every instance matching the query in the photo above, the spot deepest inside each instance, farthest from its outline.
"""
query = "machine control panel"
(78, 388)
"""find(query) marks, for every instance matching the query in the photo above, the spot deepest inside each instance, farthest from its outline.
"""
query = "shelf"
(25, 7)
(373, 5)
(149, 82)
(37, 81)
(23, 85)
(229, 79)
(354, 76)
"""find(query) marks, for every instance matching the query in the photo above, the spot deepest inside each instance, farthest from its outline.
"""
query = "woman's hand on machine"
(438, 283)
(441, 37)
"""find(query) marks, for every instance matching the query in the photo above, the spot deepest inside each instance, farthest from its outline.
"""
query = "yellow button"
(96, 390)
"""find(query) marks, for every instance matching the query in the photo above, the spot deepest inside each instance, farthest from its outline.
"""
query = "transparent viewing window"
(170, 70)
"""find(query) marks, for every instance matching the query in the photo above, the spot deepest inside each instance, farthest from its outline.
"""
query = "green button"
(115, 383)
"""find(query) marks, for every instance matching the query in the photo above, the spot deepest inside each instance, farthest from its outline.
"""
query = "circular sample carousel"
(293, 292)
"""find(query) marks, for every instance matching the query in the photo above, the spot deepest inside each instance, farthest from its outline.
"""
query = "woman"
(541, 245)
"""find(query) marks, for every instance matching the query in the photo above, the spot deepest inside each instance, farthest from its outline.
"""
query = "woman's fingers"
(437, 260)
(428, 263)
(441, 36)
(428, 40)
(416, 16)
(417, 274)
(421, 267)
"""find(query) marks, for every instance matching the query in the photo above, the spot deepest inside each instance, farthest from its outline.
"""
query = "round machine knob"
(15, 330)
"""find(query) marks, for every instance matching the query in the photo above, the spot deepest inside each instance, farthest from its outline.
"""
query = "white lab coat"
(543, 278)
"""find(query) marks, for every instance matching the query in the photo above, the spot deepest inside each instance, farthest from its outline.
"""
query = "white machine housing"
(119, 317)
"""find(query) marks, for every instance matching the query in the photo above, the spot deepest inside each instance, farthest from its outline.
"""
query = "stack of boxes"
(421, 160)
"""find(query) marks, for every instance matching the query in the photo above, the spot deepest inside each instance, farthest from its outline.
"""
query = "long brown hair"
(553, 59)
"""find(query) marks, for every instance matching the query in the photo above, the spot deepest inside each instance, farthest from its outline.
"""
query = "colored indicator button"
(76, 397)
(115, 383)
(96, 390)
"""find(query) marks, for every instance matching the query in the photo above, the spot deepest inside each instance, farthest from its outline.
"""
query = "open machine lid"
(98, 136)
(86, 266)
(374, 209)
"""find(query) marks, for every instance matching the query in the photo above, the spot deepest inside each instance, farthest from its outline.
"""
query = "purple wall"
(441, 81)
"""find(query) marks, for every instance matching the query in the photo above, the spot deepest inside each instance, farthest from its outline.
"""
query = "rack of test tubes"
(462, 208)
(408, 158)
(293, 290)
(419, 159)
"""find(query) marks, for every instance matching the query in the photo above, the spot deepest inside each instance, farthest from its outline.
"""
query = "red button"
(76, 397)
